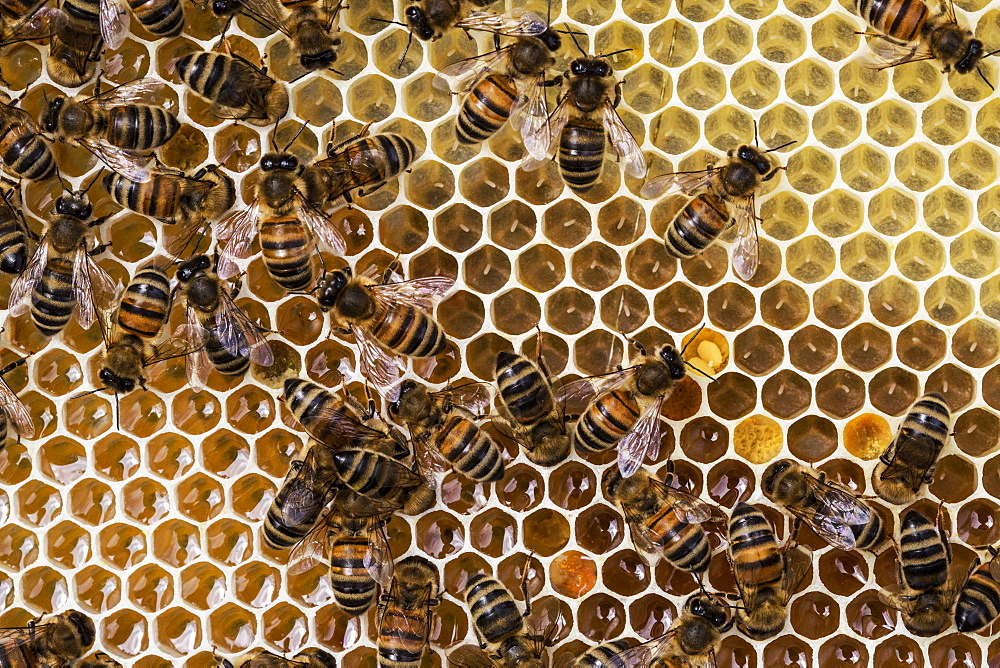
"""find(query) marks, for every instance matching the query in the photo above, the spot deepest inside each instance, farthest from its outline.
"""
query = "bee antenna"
(575, 41)
(63, 182)
(91, 184)
(979, 70)
(700, 372)
(755, 142)
(778, 148)
(693, 337)
(301, 128)
(397, 23)
(613, 53)
(409, 41)
(88, 392)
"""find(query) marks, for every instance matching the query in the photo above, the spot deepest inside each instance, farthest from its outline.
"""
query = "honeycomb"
(879, 281)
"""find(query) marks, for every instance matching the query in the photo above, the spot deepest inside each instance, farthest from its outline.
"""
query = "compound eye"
(413, 11)
(104, 375)
(576, 67)
(745, 153)
(603, 70)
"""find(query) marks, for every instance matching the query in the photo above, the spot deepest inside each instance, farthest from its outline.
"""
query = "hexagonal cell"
(195, 411)
(891, 123)
(203, 586)
(893, 301)
(837, 125)
(122, 546)
(811, 170)
(892, 212)
(894, 390)
(679, 307)
(838, 303)
(232, 628)
(229, 542)
(647, 88)
(732, 396)
(919, 83)
(919, 166)
(809, 82)
(701, 86)
(430, 184)
(92, 501)
(37, 503)
(945, 122)
(145, 500)
(151, 588)
(972, 166)
(949, 300)
(727, 41)
(947, 211)
(487, 269)
(920, 256)
(674, 130)
(781, 40)
(840, 393)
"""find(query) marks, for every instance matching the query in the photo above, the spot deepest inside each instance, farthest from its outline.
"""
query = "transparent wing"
(530, 118)
(579, 394)
(880, 53)
(517, 24)
(641, 533)
(430, 462)
(11, 114)
(133, 92)
(239, 229)
(839, 510)
(41, 24)
(746, 251)
(688, 507)
(421, 293)
(377, 365)
(17, 411)
(626, 148)
(475, 397)
(320, 225)
(197, 365)
(23, 285)
(687, 183)
(913, 456)
(93, 288)
(177, 346)
(132, 166)
(114, 19)
(798, 561)
(548, 135)
(468, 656)
(643, 440)
(268, 12)
(238, 335)
(378, 558)
(461, 76)
(642, 655)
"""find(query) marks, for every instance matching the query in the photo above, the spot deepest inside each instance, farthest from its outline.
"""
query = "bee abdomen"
(52, 300)
(224, 361)
(929, 417)
(25, 153)
(612, 415)
(869, 534)
(398, 645)
(4, 427)
(157, 198)
(902, 20)
(286, 248)
(581, 153)
(922, 553)
(754, 549)
(13, 246)
(697, 225)
(979, 603)
(485, 109)
(409, 331)
(140, 127)
(353, 586)
(493, 609)
(145, 304)
(684, 545)
(524, 391)
(604, 655)
(470, 450)
(163, 18)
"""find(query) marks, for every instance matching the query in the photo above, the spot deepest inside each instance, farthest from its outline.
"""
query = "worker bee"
(24, 153)
(386, 317)
(236, 88)
(311, 25)
(508, 83)
(500, 626)
(665, 521)
(979, 599)
(261, 658)
(27, 20)
(445, 433)
(909, 460)
(60, 640)
(309, 486)
(533, 414)
(835, 513)
(404, 621)
(907, 31)
(363, 164)
(584, 120)
(13, 412)
(927, 583)
(723, 197)
(360, 560)
(62, 277)
(14, 232)
(605, 655)
(765, 574)
(429, 19)
(162, 18)
(624, 410)
(75, 49)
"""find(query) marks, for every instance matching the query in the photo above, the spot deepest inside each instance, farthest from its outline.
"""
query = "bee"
(927, 583)
(162, 18)
(75, 50)
(62, 277)
(236, 88)
(584, 120)
(60, 640)
(311, 25)
(765, 574)
(499, 625)
(507, 83)
(526, 393)
(909, 460)
(723, 196)
(27, 20)
(360, 560)
(24, 153)
(97, 660)
(219, 332)
(664, 520)
(13, 412)
(261, 658)
(835, 513)
(429, 19)
(906, 31)
(624, 410)
(309, 486)
(604, 655)
(404, 621)
(979, 599)
(14, 232)
(363, 164)
(445, 433)
(386, 317)
(112, 121)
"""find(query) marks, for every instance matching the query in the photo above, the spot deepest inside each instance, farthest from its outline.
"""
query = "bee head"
(418, 24)
(406, 389)
(674, 362)
(84, 626)
(284, 161)
(225, 7)
(973, 55)
(192, 267)
(595, 66)
(116, 383)
(551, 39)
(74, 205)
(754, 157)
(331, 288)
(703, 606)
(49, 119)
(318, 61)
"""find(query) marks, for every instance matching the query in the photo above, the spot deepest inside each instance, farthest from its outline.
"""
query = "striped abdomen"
(493, 609)
(930, 420)
(402, 635)
(163, 18)
(157, 198)
(697, 225)
(24, 152)
(581, 153)
(684, 545)
(287, 251)
(215, 76)
(604, 655)
(923, 554)
(224, 361)
(469, 449)
(145, 303)
(369, 473)
(15, 654)
(407, 330)
(901, 20)
(753, 548)
(979, 602)
(140, 127)
(353, 586)
(295, 509)
(83, 13)
(13, 243)
(524, 389)
(606, 420)
(870, 534)
(485, 109)
(370, 161)
(52, 300)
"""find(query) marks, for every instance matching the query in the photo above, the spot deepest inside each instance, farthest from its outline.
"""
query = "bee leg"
(638, 346)
(98, 249)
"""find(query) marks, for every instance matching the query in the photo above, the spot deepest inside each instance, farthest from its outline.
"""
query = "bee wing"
(919, 454)
(468, 656)
(430, 462)
(131, 165)
(475, 397)
(238, 335)
(93, 288)
(642, 655)
(40, 24)
(746, 251)
(378, 366)
(880, 53)
(320, 225)
(198, 365)
(132, 92)
(626, 148)
(268, 12)
(465, 73)
(834, 525)
(687, 183)
(548, 135)
(516, 24)
(17, 411)
(421, 293)
(18, 115)
(177, 346)
(577, 395)
(640, 533)
(798, 561)
(239, 229)
(23, 285)
(688, 507)
(114, 19)
(530, 117)
(378, 558)
(643, 440)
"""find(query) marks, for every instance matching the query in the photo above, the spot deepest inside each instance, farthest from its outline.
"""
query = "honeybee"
(927, 583)
(12, 409)
(605, 655)
(261, 658)
(236, 88)
(665, 521)
(723, 196)
(218, 332)
(24, 153)
(311, 25)
(60, 640)
(909, 460)
(445, 433)
(309, 486)
(363, 164)
(690, 643)
(907, 31)
(508, 83)
(835, 513)
(14, 232)
(62, 277)
(75, 49)
(624, 410)
(387, 317)
(404, 621)
(162, 18)
(765, 574)
(534, 416)
(499, 625)
(27, 20)
(429, 19)
(584, 120)
(979, 599)
(360, 560)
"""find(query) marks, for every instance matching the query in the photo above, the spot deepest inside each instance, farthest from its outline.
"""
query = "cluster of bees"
(360, 467)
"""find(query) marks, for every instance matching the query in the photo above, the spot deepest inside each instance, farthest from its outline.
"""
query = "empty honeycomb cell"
(949, 300)
(701, 86)
(809, 82)
(483, 352)
(601, 617)
(731, 307)
(955, 479)
(758, 350)
(151, 588)
(838, 303)
(781, 40)
(972, 166)
(810, 170)
(891, 123)
(430, 184)
(462, 314)
(840, 393)
(784, 305)
(92, 501)
(403, 229)
(947, 211)
(811, 259)
(597, 352)
(865, 168)
(68, 546)
(920, 256)
(786, 394)
(755, 85)
(976, 343)
(674, 130)
(893, 391)
(704, 440)
(919, 167)
(812, 438)
(727, 41)
(458, 227)
(732, 396)
(485, 182)
(837, 124)
(921, 82)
